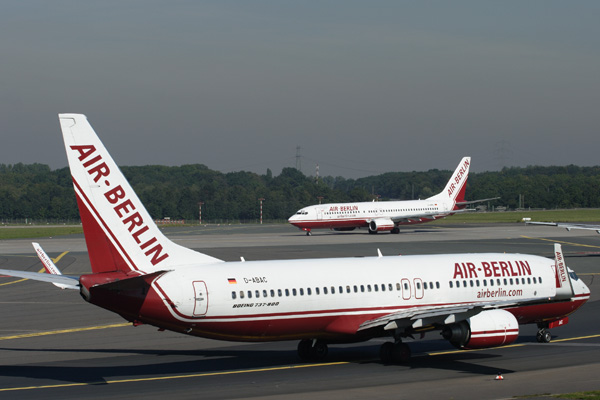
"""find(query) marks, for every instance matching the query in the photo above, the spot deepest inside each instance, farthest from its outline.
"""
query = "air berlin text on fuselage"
(124, 208)
(491, 269)
(459, 175)
(343, 208)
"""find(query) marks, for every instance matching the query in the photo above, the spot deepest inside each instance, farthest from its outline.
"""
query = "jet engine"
(381, 224)
(487, 329)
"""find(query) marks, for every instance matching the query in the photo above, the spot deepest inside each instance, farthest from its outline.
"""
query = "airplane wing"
(567, 226)
(425, 215)
(464, 203)
(53, 274)
(419, 317)
(62, 281)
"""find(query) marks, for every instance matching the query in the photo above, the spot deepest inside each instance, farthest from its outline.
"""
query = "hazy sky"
(363, 87)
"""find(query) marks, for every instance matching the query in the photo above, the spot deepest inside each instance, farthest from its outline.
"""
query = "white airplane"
(388, 215)
(473, 300)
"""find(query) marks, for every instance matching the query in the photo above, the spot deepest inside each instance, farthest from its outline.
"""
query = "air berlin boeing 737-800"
(388, 215)
(474, 300)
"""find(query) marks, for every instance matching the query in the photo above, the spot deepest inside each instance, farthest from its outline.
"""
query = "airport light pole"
(200, 212)
(261, 200)
(320, 198)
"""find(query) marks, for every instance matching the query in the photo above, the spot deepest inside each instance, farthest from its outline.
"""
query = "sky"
(358, 88)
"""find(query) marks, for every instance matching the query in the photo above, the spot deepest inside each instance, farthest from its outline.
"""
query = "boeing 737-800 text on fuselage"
(474, 300)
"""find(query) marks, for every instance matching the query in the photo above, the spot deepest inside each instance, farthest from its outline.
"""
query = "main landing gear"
(543, 335)
(312, 350)
(394, 353)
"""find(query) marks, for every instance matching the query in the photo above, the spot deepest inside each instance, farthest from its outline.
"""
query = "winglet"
(564, 287)
(49, 265)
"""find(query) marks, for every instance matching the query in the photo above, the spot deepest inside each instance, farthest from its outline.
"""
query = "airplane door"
(418, 288)
(406, 293)
(201, 298)
(319, 214)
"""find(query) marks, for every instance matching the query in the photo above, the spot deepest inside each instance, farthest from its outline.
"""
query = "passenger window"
(233, 295)
(241, 294)
(279, 292)
(272, 293)
(265, 293)
(249, 294)
(287, 292)
(325, 290)
(294, 292)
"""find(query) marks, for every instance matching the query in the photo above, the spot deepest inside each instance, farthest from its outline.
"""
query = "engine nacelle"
(381, 224)
(487, 329)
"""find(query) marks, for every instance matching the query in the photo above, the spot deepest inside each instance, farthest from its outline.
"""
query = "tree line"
(36, 192)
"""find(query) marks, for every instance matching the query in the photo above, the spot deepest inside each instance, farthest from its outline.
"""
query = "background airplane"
(388, 215)
(473, 300)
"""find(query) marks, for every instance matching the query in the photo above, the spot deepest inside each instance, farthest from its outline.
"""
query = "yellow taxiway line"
(238, 372)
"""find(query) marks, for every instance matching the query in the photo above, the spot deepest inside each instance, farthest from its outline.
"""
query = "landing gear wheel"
(311, 350)
(395, 230)
(394, 353)
(304, 349)
(543, 336)
(308, 233)
(386, 352)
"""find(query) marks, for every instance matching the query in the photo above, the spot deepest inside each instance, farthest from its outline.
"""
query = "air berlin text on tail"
(459, 175)
(123, 207)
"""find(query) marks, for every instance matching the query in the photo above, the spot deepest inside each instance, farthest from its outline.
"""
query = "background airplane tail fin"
(456, 186)
(120, 234)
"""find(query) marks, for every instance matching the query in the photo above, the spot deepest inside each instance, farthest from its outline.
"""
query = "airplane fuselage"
(359, 215)
(329, 299)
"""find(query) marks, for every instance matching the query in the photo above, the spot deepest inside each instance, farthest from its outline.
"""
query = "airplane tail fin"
(456, 186)
(120, 234)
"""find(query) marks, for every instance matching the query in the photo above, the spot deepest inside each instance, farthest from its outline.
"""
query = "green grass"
(31, 232)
